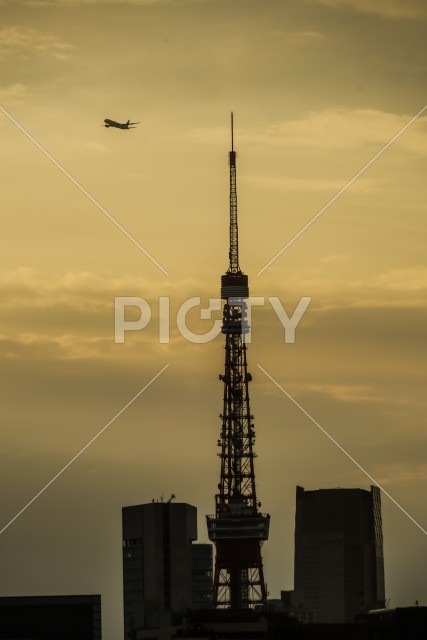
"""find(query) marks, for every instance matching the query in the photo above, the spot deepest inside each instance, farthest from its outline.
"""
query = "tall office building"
(157, 560)
(339, 563)
(201, 576)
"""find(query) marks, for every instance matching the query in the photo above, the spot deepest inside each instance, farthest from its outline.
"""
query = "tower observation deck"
(238, 528)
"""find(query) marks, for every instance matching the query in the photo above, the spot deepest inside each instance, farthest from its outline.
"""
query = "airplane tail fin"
(128, 122)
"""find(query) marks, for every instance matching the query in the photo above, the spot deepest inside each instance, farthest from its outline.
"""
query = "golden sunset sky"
(318, 88)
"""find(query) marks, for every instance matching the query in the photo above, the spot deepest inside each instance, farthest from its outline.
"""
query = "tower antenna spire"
(237, 528)
(234, 232)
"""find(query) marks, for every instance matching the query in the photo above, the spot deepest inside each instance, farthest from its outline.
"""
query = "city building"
(157, 557)
(400, 623)
(50, 617)
(201, 576)
(293, 606)
(339, 563)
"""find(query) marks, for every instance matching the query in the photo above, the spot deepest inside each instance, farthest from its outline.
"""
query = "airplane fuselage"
(118, 125)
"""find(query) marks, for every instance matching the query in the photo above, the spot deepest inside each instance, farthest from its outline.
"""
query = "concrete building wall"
(202, 576)
(339, 569)
(157, 539)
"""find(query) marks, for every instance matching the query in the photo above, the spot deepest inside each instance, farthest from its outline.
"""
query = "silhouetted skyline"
(319, 87)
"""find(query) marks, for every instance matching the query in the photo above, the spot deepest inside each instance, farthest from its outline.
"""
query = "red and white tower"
(238, 528)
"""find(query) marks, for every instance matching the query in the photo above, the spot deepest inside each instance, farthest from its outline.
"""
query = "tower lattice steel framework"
(238, 528)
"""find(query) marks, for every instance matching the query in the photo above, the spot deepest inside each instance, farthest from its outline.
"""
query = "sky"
(328, 99)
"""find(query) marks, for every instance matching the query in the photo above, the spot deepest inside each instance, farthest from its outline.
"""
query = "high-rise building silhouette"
(157, 553)
(50, 617)
(339, 563)
(237, 528)
(201, 576)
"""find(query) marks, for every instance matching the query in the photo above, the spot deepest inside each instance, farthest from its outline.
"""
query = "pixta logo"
(238, 305)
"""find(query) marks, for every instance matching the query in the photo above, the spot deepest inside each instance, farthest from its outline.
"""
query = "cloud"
(82, 289)
(303, 37)
(341, 129)
(205, 135)
(24, 42)
(64, 347)
(71, 315)
(95, 146)
(301, 185)
(409, 279)
(404, 287)
(330, 130)
(346, 392)
(46, 3)
(400, 473)
(15, 92)
(396, 9)
(337, 257)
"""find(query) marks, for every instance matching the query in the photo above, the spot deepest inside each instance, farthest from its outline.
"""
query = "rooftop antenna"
(234, 233)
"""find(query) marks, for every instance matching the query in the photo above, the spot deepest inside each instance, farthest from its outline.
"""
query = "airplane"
(119, 125)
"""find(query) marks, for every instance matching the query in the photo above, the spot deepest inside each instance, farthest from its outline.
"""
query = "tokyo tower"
(238, 528)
